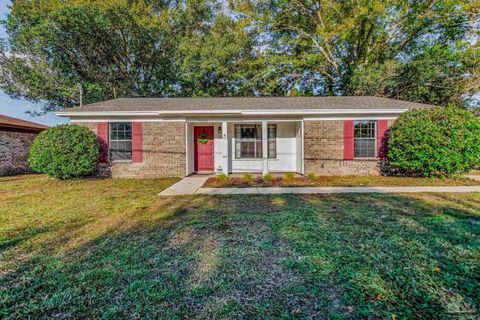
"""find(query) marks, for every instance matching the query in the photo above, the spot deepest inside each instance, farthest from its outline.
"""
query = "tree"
(333, 47)
(435, 142)
(139, 47)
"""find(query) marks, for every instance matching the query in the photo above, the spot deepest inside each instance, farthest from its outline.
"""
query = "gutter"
(230, 112)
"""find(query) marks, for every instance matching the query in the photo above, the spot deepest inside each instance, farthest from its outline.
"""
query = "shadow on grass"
(286, 256)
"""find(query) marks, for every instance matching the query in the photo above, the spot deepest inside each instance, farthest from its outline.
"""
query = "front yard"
(114, 249)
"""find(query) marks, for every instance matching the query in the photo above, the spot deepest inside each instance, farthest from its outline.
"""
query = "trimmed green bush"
(435, 142)
(65, 152)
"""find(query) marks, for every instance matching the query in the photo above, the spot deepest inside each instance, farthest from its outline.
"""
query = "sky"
(15, 107)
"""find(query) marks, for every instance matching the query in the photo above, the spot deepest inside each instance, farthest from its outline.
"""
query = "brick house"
(16, 136)
(151, 137)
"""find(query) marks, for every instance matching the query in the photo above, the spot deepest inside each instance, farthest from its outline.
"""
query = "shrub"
(64, 152)
(435, 142)
(247, 177)
(311, 176)
(289, 176)
(268, 177)
(223, 178)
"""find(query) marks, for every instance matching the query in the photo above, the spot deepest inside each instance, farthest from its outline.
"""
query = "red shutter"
(382, 139)
(348, 139)
(102, 134)
(137, 142)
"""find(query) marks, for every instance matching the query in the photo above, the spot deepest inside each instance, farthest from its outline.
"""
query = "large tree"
(419, 50)
(131, 47)
(422, 50)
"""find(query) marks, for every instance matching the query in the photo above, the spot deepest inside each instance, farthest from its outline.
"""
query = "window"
(120, 142)
(248, 141)
(272, 141)
(365, 142)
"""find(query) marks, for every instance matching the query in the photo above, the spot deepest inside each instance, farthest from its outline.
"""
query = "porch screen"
(248, 141)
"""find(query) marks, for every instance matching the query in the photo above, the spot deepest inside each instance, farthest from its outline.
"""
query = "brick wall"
(14, 148)
(163, 152)
(324, 151)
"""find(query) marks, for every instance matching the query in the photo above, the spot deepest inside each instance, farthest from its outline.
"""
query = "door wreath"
(203, 138)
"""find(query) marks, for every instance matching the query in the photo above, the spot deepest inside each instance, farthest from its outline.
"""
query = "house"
(151, 137)
(16, 136)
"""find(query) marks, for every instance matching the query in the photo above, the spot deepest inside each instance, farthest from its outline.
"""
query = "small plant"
(311, 176)
(247, 177)
(222, 178)
(268, 177)
(289, 176)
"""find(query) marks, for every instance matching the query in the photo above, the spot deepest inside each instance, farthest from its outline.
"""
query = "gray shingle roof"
(261, 103)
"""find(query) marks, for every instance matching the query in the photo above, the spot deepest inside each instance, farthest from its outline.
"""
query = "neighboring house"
(151, 137)
(16, 136)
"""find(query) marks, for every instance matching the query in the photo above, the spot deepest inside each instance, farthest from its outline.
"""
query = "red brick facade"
(163, 152)
(325, 151)
(14, 148)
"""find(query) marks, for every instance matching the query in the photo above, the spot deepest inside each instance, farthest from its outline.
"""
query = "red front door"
(203, 137)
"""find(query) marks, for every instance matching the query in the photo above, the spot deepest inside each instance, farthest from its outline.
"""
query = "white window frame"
(374, 138)
(255, 141)
(110, 140)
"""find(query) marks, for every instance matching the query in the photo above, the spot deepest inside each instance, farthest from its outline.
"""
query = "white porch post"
(225, 151)
(265, 147)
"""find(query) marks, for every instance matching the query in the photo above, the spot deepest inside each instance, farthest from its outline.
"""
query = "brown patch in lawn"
(207, 261)
(278, 201)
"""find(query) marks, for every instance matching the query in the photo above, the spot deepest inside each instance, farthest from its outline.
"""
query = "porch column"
(225, 151)
(265, 147)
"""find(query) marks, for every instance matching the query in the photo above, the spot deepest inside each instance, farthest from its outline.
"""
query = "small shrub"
(435, 142)
(222, 178)
(65, 152)
(311, 176)
(247, 177)
(289, 176)
(268, 177)
(236, 181)
(259, 179)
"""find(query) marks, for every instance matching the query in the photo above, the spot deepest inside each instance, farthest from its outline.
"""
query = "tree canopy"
(424, 51)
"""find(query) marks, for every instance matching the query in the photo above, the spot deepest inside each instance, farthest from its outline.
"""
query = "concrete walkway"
(188, 185)
(327, 190)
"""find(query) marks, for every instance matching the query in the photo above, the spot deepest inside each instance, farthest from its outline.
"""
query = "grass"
(114, 249)
(326, 181)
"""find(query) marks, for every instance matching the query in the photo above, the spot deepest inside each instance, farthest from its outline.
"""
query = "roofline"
(229, 112)
(19, 128)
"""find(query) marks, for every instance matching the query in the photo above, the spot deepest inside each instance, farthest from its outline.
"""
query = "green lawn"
(114, 249)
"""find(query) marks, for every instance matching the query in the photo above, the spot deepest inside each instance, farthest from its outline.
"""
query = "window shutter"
(348, 139)
(102, 134)
(382, 139)
(137, 142)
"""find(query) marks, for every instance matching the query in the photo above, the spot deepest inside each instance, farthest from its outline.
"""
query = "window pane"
(258, 131)
(238, 146)
(247, 150)
(272, 148)
(238, 132)
(272, 131)
(259, 149)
